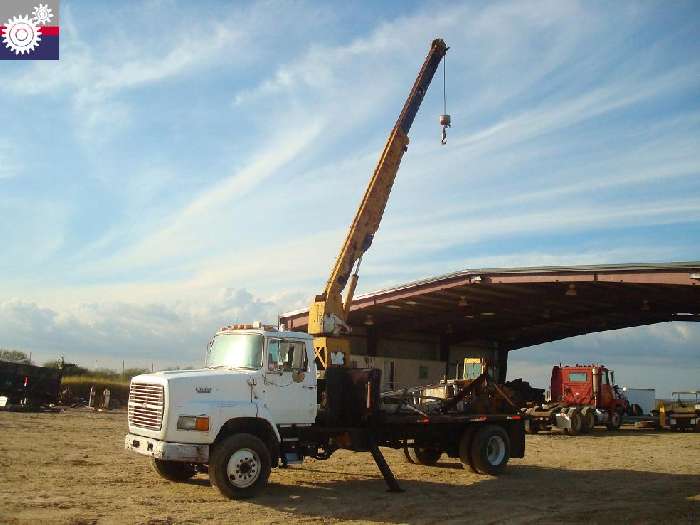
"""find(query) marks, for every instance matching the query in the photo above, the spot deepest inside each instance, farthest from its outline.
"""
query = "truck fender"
(256, 420)
(244, 411)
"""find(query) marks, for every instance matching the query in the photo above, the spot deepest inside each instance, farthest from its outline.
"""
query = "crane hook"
(445, 120)
(445, 123)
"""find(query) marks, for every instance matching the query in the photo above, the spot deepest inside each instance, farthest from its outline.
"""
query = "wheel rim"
(495, 450)
(243, 468)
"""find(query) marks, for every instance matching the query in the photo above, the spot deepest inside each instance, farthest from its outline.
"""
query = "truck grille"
(146, 406)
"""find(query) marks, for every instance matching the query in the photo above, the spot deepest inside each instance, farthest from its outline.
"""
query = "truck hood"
(200, 373)
(217, 386)
(198, 392)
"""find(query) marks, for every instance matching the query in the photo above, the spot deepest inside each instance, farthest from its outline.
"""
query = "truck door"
(606, 392)
(289, 388)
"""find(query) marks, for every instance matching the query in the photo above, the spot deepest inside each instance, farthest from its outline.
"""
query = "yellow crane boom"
(329, 312)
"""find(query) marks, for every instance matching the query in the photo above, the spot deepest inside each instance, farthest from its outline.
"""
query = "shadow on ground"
(526, 493)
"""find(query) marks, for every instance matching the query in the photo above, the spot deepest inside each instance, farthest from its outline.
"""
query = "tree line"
(71, 369)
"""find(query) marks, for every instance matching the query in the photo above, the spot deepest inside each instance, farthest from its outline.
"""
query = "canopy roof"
(519, 307)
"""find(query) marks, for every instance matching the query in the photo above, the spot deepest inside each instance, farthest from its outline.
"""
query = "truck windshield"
(236, 351)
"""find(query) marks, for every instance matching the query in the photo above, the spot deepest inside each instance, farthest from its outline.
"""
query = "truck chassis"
(354, 417)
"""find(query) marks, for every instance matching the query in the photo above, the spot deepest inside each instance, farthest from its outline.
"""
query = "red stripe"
(45, 30)
(49, 30)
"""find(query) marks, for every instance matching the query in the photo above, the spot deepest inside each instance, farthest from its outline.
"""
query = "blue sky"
(189, 164)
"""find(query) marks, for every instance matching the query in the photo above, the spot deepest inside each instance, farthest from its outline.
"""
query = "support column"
(445, 352)
(501, 365)
(372, 341)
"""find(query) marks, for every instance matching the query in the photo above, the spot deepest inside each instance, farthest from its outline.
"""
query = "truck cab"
(586, 385)
(255, 377)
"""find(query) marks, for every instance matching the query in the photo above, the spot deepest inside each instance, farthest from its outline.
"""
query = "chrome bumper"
(185, 452)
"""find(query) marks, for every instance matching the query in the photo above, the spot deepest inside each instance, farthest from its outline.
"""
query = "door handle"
(309, 387)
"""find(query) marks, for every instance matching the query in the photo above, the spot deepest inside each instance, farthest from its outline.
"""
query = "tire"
(173, 470)
(465, 446)
(576, 423)
(239, 466)
(587, 420)
(614, 421)
(490, 450)
(425, 456)
(531, 426)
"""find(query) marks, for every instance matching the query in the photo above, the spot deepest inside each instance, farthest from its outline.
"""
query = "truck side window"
(273, 355)
(293, 356)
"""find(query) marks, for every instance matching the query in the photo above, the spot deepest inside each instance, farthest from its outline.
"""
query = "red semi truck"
(581, 397)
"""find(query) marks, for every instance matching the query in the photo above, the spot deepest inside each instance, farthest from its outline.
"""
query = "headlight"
(193, 423)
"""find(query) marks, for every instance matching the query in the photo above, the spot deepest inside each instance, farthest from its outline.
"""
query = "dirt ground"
(72, 468)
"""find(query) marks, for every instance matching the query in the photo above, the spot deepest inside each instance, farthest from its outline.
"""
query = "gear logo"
(21, 35)
(42, 14)
(32, 33)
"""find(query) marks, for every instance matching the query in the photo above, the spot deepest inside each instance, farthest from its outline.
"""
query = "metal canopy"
(519, 307)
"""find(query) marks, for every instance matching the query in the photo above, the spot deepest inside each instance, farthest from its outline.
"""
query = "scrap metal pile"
(462, 396)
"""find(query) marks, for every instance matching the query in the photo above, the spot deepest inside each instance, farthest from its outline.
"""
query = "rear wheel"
(490, 450)
(531, 426)
(424, 456)
(587, 420)
(240, 466)
(614, 420)
(576, 421)
(173, 470)
(465, 448)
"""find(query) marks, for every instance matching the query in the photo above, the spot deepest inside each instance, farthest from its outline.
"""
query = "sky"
(186, 165)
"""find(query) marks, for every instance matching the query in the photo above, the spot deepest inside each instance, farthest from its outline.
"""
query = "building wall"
(404, 372)
(413, 359)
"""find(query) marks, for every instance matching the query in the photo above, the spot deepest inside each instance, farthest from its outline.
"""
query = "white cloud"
(661, 356)
(9, 166)
(170, 334)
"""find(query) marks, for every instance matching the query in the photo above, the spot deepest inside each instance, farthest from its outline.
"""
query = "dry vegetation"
(71, 468)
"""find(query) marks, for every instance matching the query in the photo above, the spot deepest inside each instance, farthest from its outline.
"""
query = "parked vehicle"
(642, 401)
(683, 413)
(25, 385)
(581, 397)
(257, 404)
(269, 397)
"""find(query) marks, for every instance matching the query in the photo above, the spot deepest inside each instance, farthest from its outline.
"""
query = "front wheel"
(173, 470)
(240, 466)
(490, 450)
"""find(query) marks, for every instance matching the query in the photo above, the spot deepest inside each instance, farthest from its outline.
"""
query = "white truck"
(257, 404)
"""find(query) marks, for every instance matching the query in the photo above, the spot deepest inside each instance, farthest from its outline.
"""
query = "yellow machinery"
(475, 366)
(328, 313)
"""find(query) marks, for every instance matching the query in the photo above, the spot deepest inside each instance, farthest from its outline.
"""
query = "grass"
(80, 386)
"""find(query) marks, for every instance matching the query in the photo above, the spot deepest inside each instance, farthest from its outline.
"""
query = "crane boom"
(328, 313)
